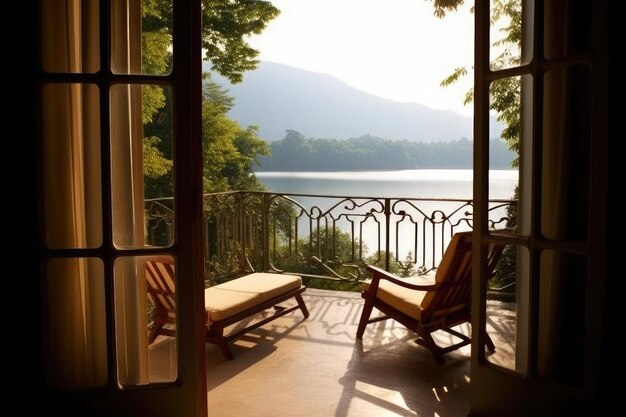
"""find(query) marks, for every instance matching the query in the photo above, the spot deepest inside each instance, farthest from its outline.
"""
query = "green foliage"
(154, 164)
(297, 153)
(226, 27)
(454, 77)
(152, 100)
(159, 183)
(505, 276)
(156, 57)
(229, 150)
(326, 252)
(504, 93)
(443, 6)
(405, 268)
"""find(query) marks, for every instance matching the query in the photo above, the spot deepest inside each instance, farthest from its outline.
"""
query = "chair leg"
(365, 315)
(300, 300)
(154, 332)
(428, 342)
(491, 347)
(225, 350)
(216, 336)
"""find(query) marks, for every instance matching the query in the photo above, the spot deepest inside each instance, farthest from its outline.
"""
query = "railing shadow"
(406, 384)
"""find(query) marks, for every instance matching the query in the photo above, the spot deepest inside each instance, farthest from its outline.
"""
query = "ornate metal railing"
(324, 236)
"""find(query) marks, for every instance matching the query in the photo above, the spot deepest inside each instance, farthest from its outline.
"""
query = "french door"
(550, 340)
(94, 87)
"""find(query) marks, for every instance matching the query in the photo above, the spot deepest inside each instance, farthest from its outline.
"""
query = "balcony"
(319, 236)
(315, 367)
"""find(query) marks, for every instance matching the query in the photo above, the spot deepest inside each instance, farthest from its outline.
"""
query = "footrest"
(243, 297)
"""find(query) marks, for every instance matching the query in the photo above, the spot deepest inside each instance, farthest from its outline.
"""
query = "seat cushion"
(225, 300)
(402, 299)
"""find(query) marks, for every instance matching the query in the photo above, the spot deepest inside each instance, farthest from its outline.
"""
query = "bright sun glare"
(395, 49)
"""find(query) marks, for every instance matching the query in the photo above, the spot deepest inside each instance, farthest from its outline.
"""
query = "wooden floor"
(294, 367)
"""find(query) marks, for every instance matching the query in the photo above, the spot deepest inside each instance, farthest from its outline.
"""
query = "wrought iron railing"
(322, 236)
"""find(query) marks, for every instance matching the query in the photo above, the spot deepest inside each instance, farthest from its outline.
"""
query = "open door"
(558, 253)
(100, 77)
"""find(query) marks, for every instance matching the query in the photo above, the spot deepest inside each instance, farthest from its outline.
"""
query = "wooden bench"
(225, 304)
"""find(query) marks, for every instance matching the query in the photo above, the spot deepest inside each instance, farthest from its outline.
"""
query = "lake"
(417, 183)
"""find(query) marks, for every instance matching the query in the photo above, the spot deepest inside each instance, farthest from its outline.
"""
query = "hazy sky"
(396, 49)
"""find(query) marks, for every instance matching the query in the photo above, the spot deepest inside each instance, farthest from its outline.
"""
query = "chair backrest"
(454, 276)
(160, 284)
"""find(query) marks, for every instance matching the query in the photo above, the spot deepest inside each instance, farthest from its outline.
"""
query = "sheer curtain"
(127, 195)
(73, 289)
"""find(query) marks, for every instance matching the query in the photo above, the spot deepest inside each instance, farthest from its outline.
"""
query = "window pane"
(70, 36)
(142, 169)
(505, 309)
(72, 200)
(141, 37)
(566, 154)
(506, 34)
(504, 156)
(74, 323)
(145, 320)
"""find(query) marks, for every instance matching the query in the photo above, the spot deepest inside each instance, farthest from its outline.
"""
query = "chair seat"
(443, 305)
(402, 299)
(225, 300)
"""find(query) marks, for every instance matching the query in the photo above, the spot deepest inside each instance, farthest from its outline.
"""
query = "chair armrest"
(379, 274)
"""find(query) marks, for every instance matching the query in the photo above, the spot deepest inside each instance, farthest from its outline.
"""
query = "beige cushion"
(443, 270)
(403, 299)
(233, 297)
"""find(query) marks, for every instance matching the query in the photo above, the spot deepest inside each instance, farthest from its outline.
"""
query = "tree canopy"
(297, 153)
(230, 150)
(504, 93)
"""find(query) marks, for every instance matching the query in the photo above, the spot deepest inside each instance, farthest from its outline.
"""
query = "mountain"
(278, 97)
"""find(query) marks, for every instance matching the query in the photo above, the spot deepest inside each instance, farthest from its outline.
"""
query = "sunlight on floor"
(293, 367)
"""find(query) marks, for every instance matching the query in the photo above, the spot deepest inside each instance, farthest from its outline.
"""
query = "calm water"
(419, 183)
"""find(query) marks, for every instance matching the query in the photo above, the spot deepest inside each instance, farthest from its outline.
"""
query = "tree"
(229, 149)
(226, 25)
(504, 93)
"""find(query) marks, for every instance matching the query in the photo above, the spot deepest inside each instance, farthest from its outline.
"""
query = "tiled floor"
(294, 367)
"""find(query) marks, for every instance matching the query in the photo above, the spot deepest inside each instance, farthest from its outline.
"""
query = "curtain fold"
(73, 288)
(565, 200)
(127, 195)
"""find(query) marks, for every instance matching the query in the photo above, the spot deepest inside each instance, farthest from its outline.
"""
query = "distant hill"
(278, 97)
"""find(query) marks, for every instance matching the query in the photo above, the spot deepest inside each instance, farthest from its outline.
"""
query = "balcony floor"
(314, 367)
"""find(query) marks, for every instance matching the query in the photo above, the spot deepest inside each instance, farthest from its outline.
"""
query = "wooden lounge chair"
(425, 309)
(225, 304)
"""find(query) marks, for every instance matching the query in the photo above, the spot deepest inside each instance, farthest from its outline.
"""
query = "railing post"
(387, 234)
(240, 232)
(265, 209)
(235, 216)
